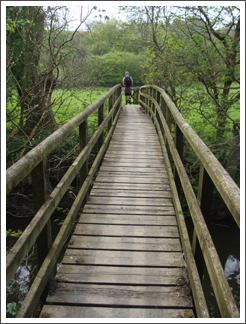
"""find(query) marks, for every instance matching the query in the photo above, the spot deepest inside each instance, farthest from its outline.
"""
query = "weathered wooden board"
(124, 219)
(136, 174)
(122, 201)
(124, 258)
(130, 179)
(125, 243)
(144, 164)
(158, 170)
(130, 210)
(132, 159)
(120, 275)
(82, 294)
(130, 194)
(131, 187)
(54, 311)
(134, 154)
(135, 146)
(123, 230)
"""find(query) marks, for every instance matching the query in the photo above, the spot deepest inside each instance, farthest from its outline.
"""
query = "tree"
(38, 48)
(198, 48)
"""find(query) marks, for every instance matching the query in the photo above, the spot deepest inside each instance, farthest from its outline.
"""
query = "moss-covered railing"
(164, 113)
(39, 229)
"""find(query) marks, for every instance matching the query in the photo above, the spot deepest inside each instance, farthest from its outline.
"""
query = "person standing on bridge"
(128, 83)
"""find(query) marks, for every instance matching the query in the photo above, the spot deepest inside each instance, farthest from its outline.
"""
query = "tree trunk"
(234, 152)
(41, 114)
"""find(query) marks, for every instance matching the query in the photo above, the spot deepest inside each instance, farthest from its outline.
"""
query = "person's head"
(127, 73)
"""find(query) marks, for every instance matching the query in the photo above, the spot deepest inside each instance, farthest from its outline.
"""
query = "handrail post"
(100, 120)
(158, 101)
(150, 102)
(114, 99)
(169, 124)
(83, 138)
(110, 105)
(163, 110)
(40, 193)
(204, 198)
(153, 105)
(179, 142)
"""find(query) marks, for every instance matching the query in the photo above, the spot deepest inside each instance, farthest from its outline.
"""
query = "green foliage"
(111, 67)
(9, 232)
(12, 308)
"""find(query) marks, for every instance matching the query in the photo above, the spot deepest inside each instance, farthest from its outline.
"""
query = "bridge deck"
(125, 258)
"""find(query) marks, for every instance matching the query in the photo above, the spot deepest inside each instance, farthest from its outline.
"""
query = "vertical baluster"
(169, 123)
(137, 96)
(100, 120)
(163, 109)
(83, 138)
(149, 101)
(110, 105)
(40, 193)
(179, 142)
(115, 96)
(158, 101)
(204, 198)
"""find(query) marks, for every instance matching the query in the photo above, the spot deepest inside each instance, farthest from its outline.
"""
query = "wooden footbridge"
(130, 254)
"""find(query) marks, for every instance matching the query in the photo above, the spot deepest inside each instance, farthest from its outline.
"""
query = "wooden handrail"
(34, 294)
(226, 186)
(221, 287)
(17, 172)
(27, 163)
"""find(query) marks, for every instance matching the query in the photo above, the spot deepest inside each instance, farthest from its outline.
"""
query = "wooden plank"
(126, 193)
(129, 210)
(123, 146)
(125, 243)
(136, 155)
(124, 230)
(132, 149)
(123, 258)
(82, 294)
(55, 311)
(128, 219)
(137, 165)
(134, 140)
(131, 187)
(119, 275)
(129, 201)
(137, 174)
(128, 179)
(160, 170)
(133, 160)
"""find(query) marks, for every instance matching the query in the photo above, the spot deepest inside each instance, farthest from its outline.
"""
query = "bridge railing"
(39, 229)
(163, 112)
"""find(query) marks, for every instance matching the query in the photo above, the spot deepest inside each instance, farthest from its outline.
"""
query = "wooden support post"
(158, 101)
(163, 109)
(110, 105)
(114, 99)
(40, 193)
(179, 142)
(169, 123)
(150, 102)
(204, 198)
(145, 100)
(83, 131)
(137, 96)
(100, 120)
